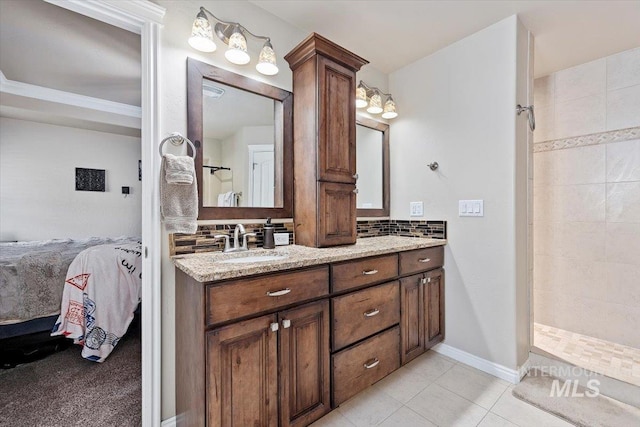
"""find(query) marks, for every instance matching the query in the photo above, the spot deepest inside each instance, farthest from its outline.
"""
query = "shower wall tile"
(545, 123)
(544, 168)
(623, 161)
(617, 315)
(623, 284)
(580, 81)
(580, 116)
(623, 108)
(586, 195)
(544, 91)
(584, 203)
(623, 243)
(623, 69)
(623, 202)
(581, 165)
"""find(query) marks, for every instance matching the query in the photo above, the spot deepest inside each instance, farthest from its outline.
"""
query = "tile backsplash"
(203, 241)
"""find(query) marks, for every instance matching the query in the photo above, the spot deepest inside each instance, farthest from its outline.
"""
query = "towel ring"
(176, 139)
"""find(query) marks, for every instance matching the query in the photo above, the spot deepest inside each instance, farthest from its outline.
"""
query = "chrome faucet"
(238, 232)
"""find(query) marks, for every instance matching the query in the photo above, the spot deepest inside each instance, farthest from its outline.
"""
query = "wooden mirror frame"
(283, 118)
(384, 128)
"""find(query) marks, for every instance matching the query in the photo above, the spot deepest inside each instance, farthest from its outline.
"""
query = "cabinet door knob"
(428, 279)
(369, 272)
(423, 280)
(355, 190)
(371, 312)
(274, 327)
(286, 323)
(355, 176)
(372, 364)
(278, 293)
(424, 260)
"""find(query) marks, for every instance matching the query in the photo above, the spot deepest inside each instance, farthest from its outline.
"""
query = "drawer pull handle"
(424, 260)
(369, 272)
(371, 313)
(373, 364)
(278, 293)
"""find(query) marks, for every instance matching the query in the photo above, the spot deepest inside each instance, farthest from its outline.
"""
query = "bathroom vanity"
(284, 341)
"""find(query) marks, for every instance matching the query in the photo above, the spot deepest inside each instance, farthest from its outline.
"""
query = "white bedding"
(101, 292)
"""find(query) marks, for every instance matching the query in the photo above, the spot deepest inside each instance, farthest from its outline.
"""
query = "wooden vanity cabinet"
(270, 370)
(283, 349)
(324, 142)
(421, 301)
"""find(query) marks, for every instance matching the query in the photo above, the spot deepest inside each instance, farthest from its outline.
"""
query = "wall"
(458, 108)
(587, 199)
(212, 156)
(37, 182)
(173, 114)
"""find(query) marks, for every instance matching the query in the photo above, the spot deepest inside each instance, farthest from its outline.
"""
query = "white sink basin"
(252, 259)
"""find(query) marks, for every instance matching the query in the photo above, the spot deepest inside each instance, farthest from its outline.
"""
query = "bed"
(35, 285)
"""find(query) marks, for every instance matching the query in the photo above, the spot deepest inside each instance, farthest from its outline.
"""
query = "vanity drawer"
(356, 368)
(245, 297)
(360, 314)
(356, 273)
(421, 260)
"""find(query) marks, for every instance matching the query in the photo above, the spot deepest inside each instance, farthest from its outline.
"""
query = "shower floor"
(604, 357)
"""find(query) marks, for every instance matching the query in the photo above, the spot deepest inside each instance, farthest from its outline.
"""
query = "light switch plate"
(470, 207)
(281, 239)
(416, 209)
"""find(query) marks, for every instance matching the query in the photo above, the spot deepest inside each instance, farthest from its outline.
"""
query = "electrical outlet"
(281, 239)
(416, 209)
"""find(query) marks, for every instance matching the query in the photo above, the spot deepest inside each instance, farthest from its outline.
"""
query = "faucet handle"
(244, 239)
(226, 240)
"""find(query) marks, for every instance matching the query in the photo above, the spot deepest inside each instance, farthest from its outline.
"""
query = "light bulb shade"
(361, 96)
(237, 52)
(267, 60)
(389, 109)
(201, 35)
(375, 104)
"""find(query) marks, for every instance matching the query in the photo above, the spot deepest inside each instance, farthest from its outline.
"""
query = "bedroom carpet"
(66, 390)
(581, 411)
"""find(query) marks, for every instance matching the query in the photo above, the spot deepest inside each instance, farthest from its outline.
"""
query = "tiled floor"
(434, 390)
(608, 358)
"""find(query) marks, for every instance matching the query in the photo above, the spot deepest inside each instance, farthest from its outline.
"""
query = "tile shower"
(586, 215)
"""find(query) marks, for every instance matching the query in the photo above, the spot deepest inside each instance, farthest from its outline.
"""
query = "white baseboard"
(511, 375)
(169, 422)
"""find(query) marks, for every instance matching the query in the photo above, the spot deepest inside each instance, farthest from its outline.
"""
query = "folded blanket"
(101, 292)
(178, 198)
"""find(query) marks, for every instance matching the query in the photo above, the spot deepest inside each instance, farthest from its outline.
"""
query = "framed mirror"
(242, 129)
(372, 166)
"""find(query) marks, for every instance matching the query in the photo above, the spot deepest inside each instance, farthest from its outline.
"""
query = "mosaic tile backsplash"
(203, 241)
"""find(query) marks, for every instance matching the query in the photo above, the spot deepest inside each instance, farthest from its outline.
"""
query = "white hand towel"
(179, 169)
(221, 199)
(178, 201)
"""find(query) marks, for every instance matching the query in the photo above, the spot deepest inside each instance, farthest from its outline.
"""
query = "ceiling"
(68, 52)
(392, 34)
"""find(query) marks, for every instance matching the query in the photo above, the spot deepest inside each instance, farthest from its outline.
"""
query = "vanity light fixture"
(235, 36)
(371, 97)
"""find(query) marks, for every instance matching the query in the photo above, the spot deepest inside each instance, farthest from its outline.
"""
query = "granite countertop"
(207, 266)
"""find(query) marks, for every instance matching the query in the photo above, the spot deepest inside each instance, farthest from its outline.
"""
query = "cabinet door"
(336, 214)
(434, 308)
(304, 364)
(336, 122)
(242, 374)
(411, 317)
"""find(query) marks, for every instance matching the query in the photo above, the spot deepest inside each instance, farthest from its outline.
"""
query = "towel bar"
(176, 139)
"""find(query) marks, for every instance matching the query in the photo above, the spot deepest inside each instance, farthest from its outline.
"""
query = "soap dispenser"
(269, 242)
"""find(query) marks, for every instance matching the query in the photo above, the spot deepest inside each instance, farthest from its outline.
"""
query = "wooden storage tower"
(324, 141)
